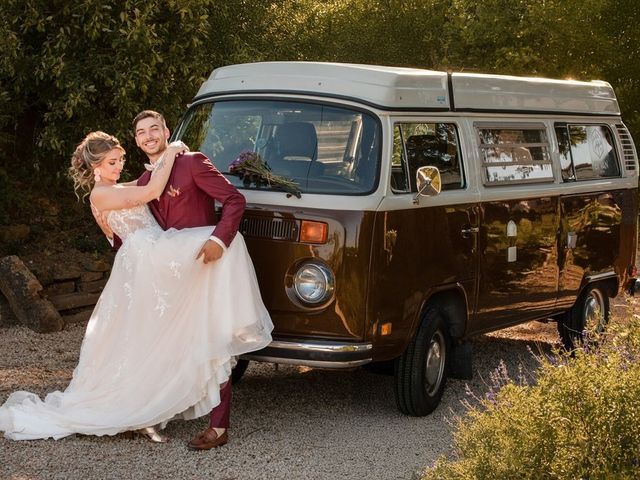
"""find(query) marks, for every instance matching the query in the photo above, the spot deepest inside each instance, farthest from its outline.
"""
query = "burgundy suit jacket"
(188, 199)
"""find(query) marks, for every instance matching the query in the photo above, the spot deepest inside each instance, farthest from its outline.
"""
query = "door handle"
(470, 230)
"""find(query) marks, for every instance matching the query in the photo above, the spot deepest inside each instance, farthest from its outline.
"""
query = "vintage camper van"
(434, 206)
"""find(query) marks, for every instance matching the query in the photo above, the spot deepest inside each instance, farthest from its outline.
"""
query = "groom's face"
(151, 137)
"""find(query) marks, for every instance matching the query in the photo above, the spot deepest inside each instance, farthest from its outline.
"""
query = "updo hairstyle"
(88, 155)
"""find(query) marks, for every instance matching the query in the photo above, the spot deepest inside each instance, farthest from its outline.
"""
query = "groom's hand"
(211, 251)
(102, 222)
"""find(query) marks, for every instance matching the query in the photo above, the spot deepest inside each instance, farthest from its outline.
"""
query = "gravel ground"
(287, 422)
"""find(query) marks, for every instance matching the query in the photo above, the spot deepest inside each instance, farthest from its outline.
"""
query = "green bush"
(580, 420)
(71, 67)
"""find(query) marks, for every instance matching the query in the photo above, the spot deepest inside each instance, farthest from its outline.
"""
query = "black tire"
(421, 371)
(238, 370)
(590, 313)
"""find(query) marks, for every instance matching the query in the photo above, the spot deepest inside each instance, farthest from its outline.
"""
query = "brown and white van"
(434, 207)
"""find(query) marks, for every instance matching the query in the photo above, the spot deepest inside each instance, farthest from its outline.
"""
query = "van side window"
(419, 144)
(515, 154)
(586, 152)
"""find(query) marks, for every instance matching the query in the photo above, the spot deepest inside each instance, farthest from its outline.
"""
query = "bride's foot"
(210, 438)
(152, 434)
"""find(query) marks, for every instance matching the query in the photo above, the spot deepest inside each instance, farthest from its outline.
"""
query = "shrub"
(581, 419)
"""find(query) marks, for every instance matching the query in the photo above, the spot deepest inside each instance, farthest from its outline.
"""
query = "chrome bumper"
(317, 353)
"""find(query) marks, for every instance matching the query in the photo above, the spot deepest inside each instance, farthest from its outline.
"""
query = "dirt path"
(288, 422)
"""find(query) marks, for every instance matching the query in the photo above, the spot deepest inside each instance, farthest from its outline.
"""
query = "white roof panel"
(507, 93)
(389, 87)
(416, 89)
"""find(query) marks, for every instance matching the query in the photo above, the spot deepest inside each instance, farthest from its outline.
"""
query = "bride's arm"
(117, 197)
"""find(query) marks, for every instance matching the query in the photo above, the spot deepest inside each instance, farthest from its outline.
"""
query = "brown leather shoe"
(207, 440)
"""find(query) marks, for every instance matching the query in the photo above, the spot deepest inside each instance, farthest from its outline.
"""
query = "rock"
(91, 276)
(95, 265)
(7, 317)
(42, 270)
(14, 233)
(23, 291)
(74, 300)
(92, 287)
(78, 317)
(59, 288)
(64, 272)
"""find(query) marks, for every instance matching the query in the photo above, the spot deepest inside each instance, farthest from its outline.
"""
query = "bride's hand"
(176, 148)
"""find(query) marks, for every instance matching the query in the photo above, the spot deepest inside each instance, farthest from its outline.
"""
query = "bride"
(160, 341)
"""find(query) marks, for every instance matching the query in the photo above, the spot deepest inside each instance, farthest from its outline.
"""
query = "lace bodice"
(127, 221)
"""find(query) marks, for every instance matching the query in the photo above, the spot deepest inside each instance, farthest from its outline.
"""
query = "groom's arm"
(112, 238)
(209, 179)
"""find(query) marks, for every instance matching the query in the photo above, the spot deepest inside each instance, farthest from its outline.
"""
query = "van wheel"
(421, 371)
(238, 371)
(590, 313)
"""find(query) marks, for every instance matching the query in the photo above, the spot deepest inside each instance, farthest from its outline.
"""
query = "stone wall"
(46, 292)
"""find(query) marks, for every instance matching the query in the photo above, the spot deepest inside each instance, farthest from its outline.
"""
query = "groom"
(188, 201)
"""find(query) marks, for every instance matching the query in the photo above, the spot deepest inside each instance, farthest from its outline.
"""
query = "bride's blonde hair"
(89, 153)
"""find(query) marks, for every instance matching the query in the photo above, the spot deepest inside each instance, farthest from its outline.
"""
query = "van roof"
(398, 88)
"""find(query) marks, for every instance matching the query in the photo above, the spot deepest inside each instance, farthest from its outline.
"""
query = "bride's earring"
(96, 175)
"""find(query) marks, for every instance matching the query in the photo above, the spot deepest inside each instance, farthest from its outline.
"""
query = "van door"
(518, 272)
(427, 246)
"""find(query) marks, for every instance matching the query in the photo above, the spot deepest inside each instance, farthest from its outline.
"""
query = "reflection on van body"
(536, 215)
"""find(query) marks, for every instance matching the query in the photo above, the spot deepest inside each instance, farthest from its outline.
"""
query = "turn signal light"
(313, 232)
(385, 329)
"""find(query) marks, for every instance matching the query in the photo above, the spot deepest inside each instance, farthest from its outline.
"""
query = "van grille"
(273, 228)
(628, 149)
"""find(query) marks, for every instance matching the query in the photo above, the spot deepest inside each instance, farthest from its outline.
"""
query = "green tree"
(82, 66)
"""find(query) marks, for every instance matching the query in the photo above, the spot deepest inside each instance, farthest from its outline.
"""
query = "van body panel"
(596, 236)
(518, 273)
(346, 253)
(417, 252)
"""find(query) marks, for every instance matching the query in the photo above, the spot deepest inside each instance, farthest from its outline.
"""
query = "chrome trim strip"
(307, 363)
(321, 347)
(600, 276)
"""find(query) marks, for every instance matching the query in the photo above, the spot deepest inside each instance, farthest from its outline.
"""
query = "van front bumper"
(316, 353)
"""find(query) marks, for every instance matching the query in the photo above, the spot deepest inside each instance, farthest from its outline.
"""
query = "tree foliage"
(68, 67)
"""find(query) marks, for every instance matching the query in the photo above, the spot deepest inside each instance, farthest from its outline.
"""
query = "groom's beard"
(155, 153)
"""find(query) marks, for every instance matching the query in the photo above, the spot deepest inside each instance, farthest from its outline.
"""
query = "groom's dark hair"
(146, 114)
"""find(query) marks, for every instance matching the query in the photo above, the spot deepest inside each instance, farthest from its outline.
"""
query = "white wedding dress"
(160, 341)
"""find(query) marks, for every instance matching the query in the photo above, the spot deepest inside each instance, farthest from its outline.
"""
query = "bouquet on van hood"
(251, 169)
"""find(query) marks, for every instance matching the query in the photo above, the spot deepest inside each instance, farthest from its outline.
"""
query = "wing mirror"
(428, 182)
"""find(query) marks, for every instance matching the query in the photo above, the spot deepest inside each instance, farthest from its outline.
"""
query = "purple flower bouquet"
(251, 169)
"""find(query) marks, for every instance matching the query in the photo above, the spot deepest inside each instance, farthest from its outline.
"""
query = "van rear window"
(586, 152)
(323, 148)
(514, 154)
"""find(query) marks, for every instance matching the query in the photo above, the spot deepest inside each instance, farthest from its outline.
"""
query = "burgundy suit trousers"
(220, 414)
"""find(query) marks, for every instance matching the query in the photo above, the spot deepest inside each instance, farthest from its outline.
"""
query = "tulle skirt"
(159, 344)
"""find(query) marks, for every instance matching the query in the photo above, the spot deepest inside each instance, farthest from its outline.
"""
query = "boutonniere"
(173, 192)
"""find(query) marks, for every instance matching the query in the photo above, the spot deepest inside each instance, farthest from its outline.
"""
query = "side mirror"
(428, 182)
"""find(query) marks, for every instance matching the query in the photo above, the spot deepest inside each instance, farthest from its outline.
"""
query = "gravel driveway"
(287, 422)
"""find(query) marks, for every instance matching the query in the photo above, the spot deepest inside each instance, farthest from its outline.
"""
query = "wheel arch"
(452, 301)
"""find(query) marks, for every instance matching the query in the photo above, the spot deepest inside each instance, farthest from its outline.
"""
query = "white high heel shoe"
(152, 434)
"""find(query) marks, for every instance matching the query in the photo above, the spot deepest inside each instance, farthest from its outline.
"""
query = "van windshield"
(324, 149)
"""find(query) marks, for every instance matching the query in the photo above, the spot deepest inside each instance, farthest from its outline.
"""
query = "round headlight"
(313, 283)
